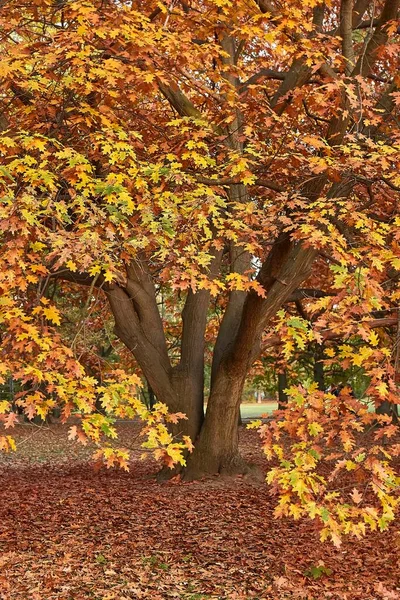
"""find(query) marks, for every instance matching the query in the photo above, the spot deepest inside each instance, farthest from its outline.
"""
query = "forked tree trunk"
(217, 448)
(138, 325)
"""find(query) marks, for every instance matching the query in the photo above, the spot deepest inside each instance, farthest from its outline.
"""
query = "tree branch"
(263, 74)
(346, 30)
(367, 59)
(304, 293)
(231, 181)
(181, 103)
(328, 334)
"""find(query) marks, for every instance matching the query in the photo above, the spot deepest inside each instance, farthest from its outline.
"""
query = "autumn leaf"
(52, 314)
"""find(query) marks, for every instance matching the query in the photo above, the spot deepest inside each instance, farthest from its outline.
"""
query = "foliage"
(205, 151)
(322, 428)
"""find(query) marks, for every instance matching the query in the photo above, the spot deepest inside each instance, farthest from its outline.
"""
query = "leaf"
(356, 496)
(73, 432)
(188, 443)
(52, 314)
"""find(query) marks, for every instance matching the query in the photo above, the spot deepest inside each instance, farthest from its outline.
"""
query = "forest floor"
(69, 532)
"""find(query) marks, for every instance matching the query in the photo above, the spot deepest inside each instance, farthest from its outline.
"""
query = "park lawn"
(71, 532)
(255, 411)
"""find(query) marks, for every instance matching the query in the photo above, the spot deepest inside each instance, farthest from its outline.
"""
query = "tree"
(210, 148)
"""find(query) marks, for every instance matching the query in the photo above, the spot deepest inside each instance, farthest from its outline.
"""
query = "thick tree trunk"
(217, 448)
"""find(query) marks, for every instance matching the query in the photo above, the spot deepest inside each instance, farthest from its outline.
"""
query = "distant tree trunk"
(390, 409)
(282, 385)
(386, 407)
(319, 375)
(151, 396)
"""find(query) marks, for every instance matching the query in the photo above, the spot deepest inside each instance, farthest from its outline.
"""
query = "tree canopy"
(237, 155)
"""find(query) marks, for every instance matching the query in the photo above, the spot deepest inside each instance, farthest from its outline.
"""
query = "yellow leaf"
(373, 338)
(315, 428)
(71, 265)
(382, 388)
(176, 454)
(52, 314)
(295, 511)
(95, 270)
(108, 276)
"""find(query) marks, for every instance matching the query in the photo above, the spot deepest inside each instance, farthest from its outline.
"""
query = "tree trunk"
(180, 388)
(390, 409)
(282, 385)
(152, 397)
(189, 395)
(319, 375)
(217, 448)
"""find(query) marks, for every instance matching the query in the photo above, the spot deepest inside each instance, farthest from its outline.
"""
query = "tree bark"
(139, 327)
(319, 374)
(216, 450)
(282, 385)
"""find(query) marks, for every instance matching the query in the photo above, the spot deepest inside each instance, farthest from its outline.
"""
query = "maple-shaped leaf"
(175, 417)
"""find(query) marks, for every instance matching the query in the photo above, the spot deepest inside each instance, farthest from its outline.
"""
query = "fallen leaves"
(70, 532)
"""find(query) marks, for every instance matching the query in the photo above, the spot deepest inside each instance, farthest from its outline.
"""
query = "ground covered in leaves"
(69, 532)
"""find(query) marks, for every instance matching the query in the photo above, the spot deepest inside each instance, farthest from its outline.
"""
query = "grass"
(254, 411)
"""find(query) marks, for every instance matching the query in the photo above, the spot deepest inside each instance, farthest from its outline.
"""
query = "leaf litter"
(71, 532)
